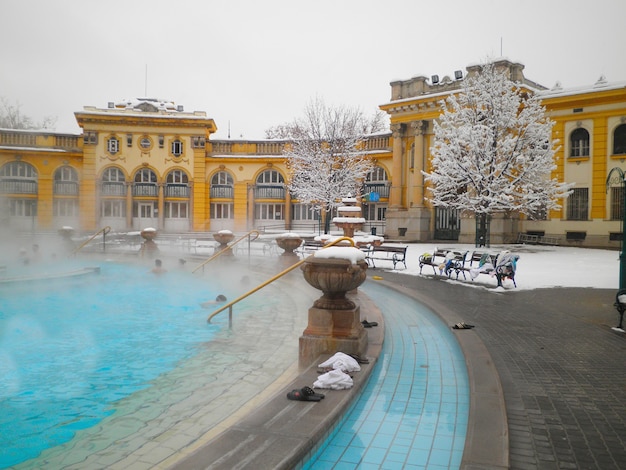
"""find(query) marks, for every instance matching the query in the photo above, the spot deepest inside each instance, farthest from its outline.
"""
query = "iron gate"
(447, 223)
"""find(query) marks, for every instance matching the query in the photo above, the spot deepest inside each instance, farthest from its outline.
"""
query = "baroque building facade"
(148, 163)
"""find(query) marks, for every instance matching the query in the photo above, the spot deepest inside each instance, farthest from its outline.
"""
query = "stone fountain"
(334, 319)
(149, 247)
(349, 218)
(224, 237)
(288, 242)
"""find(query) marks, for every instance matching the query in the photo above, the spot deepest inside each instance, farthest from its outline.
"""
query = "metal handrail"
(215, 255)
(229, 305)
(102, 231)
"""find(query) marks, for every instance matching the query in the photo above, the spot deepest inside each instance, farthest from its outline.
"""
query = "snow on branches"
(325, 157)
(492, 150)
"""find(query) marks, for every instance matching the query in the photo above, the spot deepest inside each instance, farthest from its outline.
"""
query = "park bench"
(395, 254)
(501, 272)
(446, 261)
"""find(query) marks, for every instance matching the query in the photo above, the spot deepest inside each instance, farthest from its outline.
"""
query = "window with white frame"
(176, 210)
(23, 207)
(305, 212)
(65, 208)
(579, 143)
(578, 204)
(270, 177)
(113, 145)
(18, 170)
(220, 210)
(113, 208)
(269, 211)
(177, 177)
(177, 147)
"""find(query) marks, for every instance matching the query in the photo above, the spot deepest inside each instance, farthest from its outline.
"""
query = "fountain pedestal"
(149, 247)
(224, 237)
(288, 242)
(334, 319)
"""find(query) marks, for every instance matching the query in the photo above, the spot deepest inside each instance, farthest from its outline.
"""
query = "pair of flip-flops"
(462, 326)
(305, 394)
(369, 324)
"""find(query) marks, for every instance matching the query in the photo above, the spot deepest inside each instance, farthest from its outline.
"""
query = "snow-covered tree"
(11, 117)
(492, 151)
(324, 155)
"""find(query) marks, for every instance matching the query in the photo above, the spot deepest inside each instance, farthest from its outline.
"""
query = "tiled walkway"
(413, 412)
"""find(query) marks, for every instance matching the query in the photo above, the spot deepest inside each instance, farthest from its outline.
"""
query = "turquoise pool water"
(70, 348)
(413, 412)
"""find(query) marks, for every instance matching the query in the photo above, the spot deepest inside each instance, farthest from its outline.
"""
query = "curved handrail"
(103, 230)
(229, 305)
(215, 255)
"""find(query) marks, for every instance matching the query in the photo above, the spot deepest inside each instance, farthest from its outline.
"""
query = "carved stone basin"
(334, 277)
(289, 244)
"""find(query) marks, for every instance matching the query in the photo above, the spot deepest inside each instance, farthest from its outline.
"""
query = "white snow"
(348, 220)
(538, 266)
(289, 235)
(341, 252)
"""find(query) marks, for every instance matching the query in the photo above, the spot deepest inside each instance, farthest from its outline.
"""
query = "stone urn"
(224, 237)
(334, 277)
(149, 246)
(66, 234)
(334, 320)
(289, 242)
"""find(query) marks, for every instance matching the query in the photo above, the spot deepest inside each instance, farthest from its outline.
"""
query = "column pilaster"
(395, 196)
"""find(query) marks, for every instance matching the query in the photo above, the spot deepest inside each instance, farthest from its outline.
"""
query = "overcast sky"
(253, 64)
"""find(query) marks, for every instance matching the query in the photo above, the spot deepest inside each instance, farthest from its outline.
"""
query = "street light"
(620, 298)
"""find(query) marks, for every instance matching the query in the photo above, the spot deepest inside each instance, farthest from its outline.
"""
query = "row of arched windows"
(66, 179)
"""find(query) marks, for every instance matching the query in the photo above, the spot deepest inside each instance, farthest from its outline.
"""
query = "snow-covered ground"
(538, 266)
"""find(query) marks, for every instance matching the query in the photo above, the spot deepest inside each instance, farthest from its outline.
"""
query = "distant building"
(148, 163)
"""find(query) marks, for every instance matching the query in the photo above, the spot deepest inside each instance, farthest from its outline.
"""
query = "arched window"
(18, 178)
(145, 183)
(222, 185)
(270, 177)
(270, 185)
(619, 140)
(113, 182)
(579, 143)
(377, 182)
(377, 174)
(177, 177)
(177, 184)
(66, 181)
(113, 175)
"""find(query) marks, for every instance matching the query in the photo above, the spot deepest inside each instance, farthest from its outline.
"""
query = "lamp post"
(620, 297)
(622, 255)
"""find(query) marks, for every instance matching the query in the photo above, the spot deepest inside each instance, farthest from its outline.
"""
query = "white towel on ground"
(343, 362)
(334, 379)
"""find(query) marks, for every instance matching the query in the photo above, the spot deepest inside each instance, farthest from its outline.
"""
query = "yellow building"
(148, 163)
(591, 129)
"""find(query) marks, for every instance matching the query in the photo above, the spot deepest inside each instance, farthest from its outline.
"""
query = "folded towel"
(334, 379)
(341, 361)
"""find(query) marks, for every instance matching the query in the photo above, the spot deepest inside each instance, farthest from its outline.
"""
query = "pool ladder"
(221, 252)
(102, 231)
